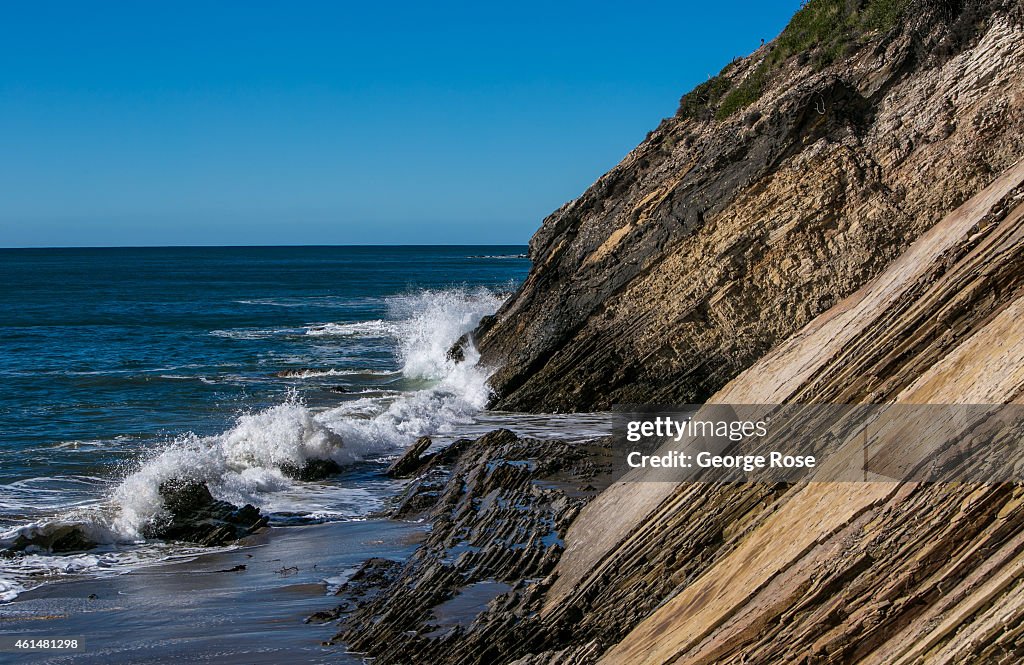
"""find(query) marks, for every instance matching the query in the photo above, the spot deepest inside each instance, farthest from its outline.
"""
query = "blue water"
(110, 356)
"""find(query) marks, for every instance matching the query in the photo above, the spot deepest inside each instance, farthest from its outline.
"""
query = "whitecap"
(372, 328)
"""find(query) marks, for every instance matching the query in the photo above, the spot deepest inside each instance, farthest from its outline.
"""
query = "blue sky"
(334, 123)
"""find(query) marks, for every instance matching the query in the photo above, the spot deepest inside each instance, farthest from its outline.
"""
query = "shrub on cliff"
(822, 31)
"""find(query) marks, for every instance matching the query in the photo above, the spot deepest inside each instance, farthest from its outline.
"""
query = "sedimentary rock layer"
(853, 233)
(716, 238)
(837, 571)
(766, 573)
(499, 507)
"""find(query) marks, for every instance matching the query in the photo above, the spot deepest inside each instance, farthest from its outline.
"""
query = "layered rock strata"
(875, 572)
(715, 238)
(839, 224)
(498, 518)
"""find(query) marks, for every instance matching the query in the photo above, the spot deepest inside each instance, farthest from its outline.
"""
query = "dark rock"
(341, 390)
(374, 577)
(196, 517)
(292, 373)
(234, 569)
(411, 460)
(72, 541)
(498, 516)
(450, 454)
(457, 352)
(313, 469)
(56, 539)
(419, 497)
(323, 616)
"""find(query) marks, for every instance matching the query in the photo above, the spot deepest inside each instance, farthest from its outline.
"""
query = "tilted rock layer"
(853, 234)
(838, 572)
(715, 239)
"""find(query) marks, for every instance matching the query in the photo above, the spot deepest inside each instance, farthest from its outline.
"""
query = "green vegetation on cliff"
(822, 31)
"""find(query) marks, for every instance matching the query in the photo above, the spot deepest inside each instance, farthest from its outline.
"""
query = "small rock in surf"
(196, 517)
(313, 469)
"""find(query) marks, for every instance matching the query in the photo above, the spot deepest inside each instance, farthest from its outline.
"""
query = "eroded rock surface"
(498, 521)
(875, 572)
(854, 235)
(714, 239)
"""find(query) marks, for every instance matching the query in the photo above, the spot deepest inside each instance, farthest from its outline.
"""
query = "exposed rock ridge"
(756, 573)
(838, 572)
(855, 235)
(712, 241)
(499, 507)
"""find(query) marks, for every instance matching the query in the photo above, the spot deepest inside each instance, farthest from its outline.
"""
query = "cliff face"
(732, 226)
(839, 223)
(811, 572)
(836, 572)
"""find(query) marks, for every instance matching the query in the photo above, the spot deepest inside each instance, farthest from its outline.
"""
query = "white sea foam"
(431, 321)
(252, 333)
(318, 373)
(346, 302)
(372, 328)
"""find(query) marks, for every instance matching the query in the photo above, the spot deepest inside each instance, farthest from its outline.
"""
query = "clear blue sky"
(181, 123)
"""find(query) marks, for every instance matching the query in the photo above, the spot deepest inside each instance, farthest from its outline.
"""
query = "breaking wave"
(244, 463)
(318, 373)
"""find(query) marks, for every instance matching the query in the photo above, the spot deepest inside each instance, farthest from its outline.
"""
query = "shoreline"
(214, 604)
(286, 575)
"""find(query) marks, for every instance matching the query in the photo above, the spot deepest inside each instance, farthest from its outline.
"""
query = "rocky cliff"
(838, 572)
(838, 218)
(812, 572)
(780, 187)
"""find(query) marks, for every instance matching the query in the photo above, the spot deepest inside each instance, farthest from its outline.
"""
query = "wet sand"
(209, 609)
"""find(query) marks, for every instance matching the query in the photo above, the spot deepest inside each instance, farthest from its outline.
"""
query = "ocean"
(126, 367)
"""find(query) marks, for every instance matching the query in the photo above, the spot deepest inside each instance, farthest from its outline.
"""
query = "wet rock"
(196, 517)
(372, 579)
(411, 460)
(55, 538)
(495, 524)
(457, 352)
(312, 469)
(419, 497)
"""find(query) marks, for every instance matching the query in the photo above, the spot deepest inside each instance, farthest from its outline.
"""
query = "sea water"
(126, 367)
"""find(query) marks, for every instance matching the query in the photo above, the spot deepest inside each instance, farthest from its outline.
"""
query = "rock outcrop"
(497, 532)
(53, 537)
(834, 572)
(411, 460)
(194, 516)
(716, 238)
(311, 469)
(837, 572)
(842, 224)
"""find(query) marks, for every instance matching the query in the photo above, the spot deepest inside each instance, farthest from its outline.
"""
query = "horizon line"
(268, 246)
